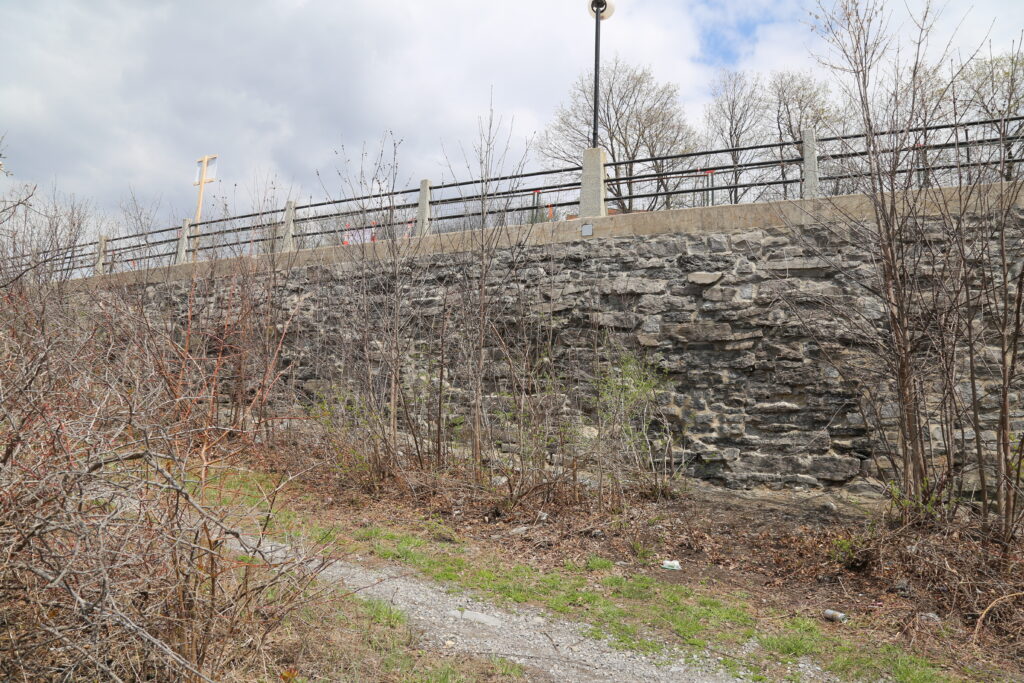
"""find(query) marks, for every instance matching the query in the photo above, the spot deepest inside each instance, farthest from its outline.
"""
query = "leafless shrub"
(113, 563)
(937, 328)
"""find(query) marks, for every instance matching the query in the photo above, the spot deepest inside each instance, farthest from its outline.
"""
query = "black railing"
(935, 155)
(947, 154)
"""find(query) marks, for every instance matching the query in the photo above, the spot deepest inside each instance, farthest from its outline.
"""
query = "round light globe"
(609, 9)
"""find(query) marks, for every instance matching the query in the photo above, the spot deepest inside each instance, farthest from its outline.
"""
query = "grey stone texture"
(729, 304)
(751, 400)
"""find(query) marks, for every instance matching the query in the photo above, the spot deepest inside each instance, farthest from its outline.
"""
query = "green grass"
(630, 610)
(345, 637)
(508, 668)
(383, 613)
(855, 663)
(627, 610)
(799, 638)
(597, 564)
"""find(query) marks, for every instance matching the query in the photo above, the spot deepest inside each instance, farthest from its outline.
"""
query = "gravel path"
(558, 649)
(551, 649)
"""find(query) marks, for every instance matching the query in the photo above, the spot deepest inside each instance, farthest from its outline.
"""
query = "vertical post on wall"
(923, 179)
(597, 7)
(592, 185)
(287, 229)
(592, 200)
(423, 211)
(193, 240)
(99, 268)
(809, 151)
(182, 255)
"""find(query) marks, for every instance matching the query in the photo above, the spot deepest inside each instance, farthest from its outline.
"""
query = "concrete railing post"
(182, 254)
(100, 267)
(423, 211)
(592, 184)
(538, 210)
(811, 189)
(193, 241)
(286, 231)
(923, 177)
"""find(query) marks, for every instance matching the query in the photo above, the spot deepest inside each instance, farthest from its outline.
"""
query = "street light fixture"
(600, 10)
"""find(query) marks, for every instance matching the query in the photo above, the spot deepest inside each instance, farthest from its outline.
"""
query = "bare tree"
(795, 103)
(939, 345)
(735, 118)
(993, 89)
(114, 563)
(639, 118)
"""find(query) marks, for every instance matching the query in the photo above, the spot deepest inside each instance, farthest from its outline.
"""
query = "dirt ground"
(775, 546)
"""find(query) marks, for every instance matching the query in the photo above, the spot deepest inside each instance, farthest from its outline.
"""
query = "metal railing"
(815, 167)
(810, 167)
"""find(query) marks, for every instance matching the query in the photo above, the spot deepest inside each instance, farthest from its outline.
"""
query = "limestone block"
(622, 321)
(704, 277)
(718, 243)
(720, 293)
(633, 285)
(806, 266)
(749, 242)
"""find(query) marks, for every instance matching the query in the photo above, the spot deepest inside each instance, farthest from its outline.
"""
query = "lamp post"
(600, 10)
(592, 183)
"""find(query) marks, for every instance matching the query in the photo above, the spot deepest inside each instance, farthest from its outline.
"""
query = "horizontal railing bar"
(236, 218)
(955, 144)
(720, 188)
(380, 195)
(355, 212)
(697, 172)
(532, 174)
(142, 246)
(508, 193)
(690, 155)
(926, 169)
(491, 213)
(919, 129)
(143, 234)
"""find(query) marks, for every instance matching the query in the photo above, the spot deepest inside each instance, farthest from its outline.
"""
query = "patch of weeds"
(686, 627)
(641, 552)
(368, 533)
(636, 588)
(571, 566)
(508, 668)
(444, 673)
(614, 582)
(403, 548)
(598, 564)
(800, 637)
(383, 613)
(889, 662)
(322, 535)
(439, 531)
(732, 666)
(676, 594)
(851, 553)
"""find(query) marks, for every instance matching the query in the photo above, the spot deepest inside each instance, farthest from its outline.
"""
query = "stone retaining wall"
(729, 303)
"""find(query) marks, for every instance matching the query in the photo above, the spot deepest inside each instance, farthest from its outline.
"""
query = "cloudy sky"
(100, 98)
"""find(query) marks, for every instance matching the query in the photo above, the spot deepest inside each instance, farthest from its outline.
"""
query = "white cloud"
(107, 94)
